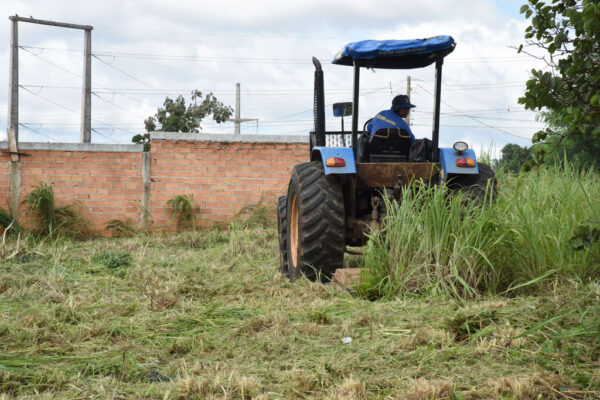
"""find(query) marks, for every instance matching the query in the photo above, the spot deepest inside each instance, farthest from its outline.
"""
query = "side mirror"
(342, 109)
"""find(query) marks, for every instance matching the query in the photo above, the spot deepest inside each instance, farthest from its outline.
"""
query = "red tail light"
(465, 162)
(335, 162)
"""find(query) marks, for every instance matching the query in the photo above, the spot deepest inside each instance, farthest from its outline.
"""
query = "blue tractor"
(336, 197)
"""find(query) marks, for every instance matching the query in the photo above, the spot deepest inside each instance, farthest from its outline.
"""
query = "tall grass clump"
(434, 243)
(122, 227)
(544, 209)
(255, 215)
(185, 211)
(51, 220)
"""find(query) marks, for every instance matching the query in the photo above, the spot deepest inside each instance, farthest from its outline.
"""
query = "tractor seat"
(389, 145)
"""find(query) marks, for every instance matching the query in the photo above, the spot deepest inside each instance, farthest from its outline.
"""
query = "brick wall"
(105, 180)
(223, 177)
(223, 173)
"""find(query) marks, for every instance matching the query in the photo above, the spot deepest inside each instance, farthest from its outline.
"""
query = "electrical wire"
(127, 74)
(37, 131)
(175, 57)
(50, 62)
(78, 113)
(475, 119)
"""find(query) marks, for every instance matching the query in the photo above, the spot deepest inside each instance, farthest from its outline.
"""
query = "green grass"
(51, 220)
(206, 315)
(185, 211)
(433, 244)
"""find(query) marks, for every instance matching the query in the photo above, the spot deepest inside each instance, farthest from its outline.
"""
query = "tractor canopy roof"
(395, 54)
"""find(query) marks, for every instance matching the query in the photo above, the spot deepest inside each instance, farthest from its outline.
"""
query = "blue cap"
(401, 101)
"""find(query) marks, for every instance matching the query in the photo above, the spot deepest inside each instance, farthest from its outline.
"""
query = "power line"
(50, 62)
(51, 101)
(176, 57)
(117, 105)
(475, 119)
(481, 127)
(63, 106)
(127, 74)
(329, 104)
(24, 125)
(265, 92)
(78, 113)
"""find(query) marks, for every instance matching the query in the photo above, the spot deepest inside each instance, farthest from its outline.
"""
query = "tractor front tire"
(315, 215)
(282, 234)
(481, 186)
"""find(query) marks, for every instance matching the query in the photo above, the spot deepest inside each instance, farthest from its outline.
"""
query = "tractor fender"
(323, 153)
(448, 165)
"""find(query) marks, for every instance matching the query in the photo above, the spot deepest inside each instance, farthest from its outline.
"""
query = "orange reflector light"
(335, 162)
(465, 162)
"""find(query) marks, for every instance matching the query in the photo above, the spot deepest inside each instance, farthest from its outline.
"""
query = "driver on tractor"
(393, 118)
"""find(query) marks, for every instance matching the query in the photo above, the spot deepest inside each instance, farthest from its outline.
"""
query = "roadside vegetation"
(509, 309)
(529, 239)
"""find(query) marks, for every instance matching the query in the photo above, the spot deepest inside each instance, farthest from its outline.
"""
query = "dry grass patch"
(423, 389)
(539, 385)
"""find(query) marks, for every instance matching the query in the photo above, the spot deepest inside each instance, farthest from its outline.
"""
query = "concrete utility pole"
(86, 94)
(12, 128)
(86, 101)
(12, 125)
(237, 119)
(408, 94)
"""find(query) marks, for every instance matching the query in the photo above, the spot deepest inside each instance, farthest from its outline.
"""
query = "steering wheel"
(366, 123)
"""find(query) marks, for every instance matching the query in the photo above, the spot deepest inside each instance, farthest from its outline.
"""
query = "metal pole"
(436, 108)
(86, 97)
(12, 127)
(237, 109)
(355, 109)
(408, 94)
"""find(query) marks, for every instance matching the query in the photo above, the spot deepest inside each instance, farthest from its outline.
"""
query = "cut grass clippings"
(205, 315)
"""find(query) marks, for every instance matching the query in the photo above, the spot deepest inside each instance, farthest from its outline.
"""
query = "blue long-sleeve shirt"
(389, 119)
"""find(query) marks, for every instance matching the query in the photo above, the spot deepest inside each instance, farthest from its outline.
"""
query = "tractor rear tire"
(282, 234)
(316, 223)
(475, 187)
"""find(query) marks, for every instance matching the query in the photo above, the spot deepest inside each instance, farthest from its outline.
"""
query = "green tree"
(514, 157)
(175, 116)
(568, 33)
(578, 150)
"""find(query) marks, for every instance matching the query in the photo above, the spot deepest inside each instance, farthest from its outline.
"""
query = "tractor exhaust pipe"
(319, 104)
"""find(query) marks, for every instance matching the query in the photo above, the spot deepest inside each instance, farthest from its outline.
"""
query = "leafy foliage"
(142, 139)
(569, 32)
(585, 236)
(513, 157)
(175, 116)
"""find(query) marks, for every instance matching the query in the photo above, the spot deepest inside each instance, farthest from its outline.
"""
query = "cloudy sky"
(144, 51)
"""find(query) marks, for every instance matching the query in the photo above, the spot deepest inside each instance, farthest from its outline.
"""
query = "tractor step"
(347, 277)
